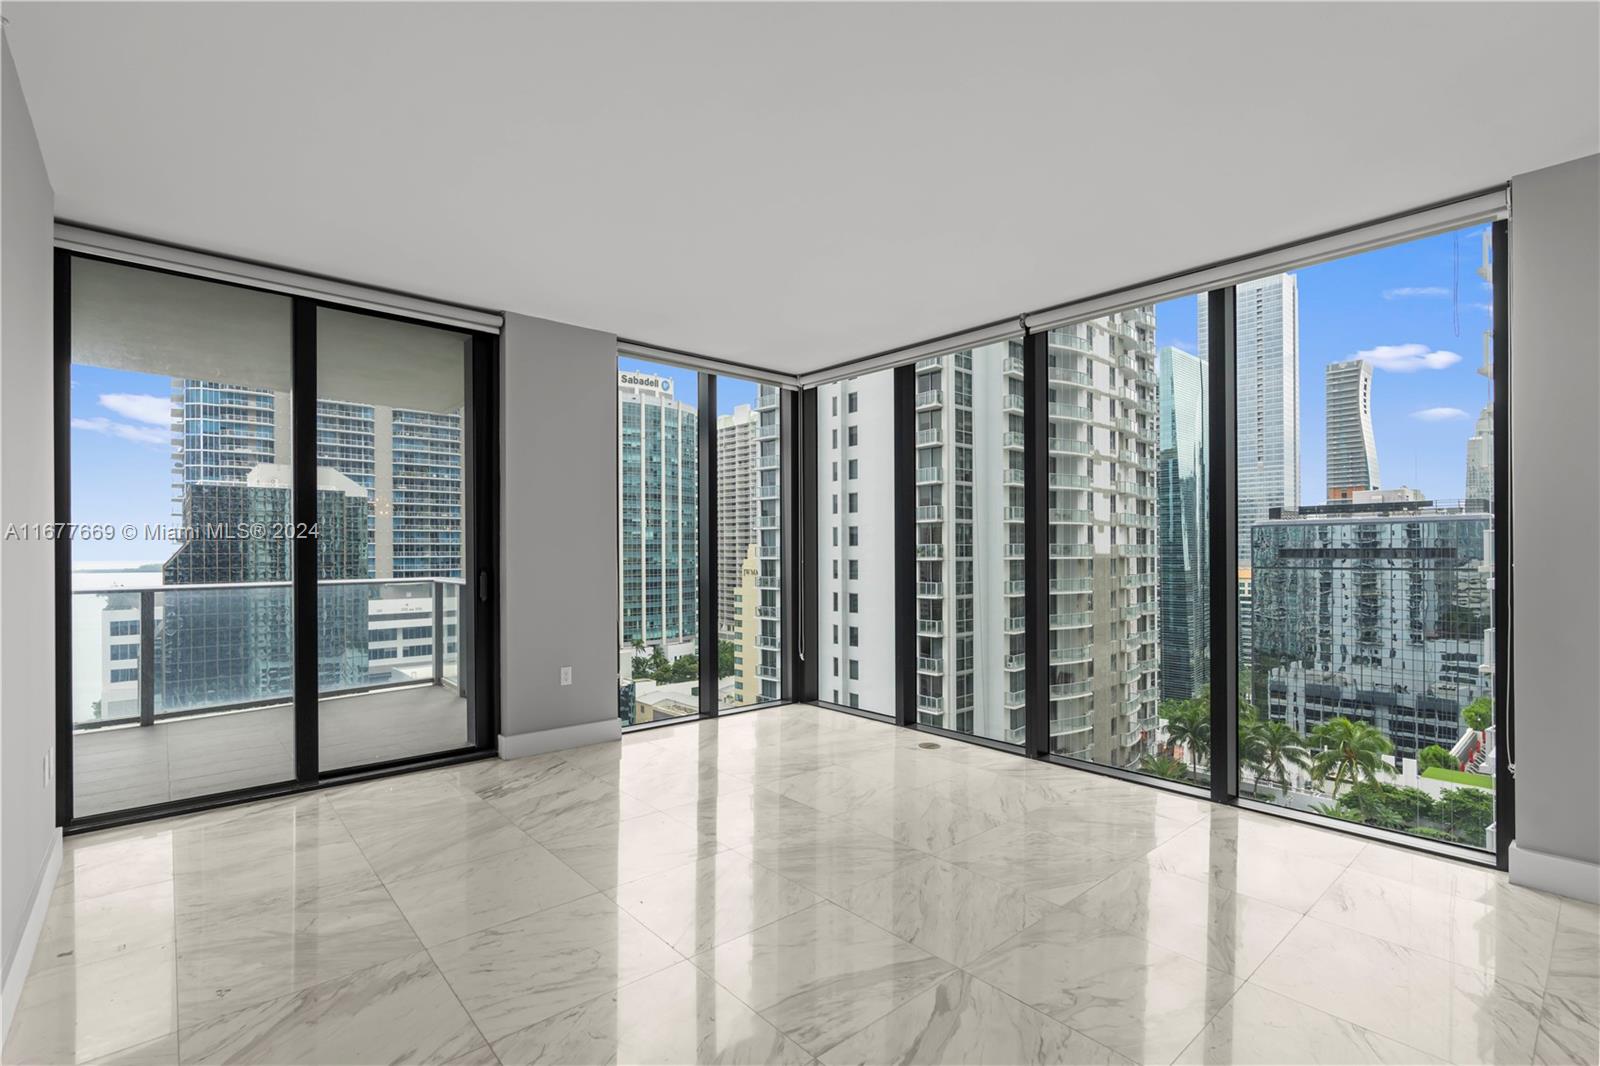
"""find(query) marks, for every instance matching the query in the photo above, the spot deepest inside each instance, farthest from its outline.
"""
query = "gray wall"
(1555, 440)
(27, 568)
(558, 597)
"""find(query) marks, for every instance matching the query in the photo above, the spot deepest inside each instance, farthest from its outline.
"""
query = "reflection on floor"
(784, 885)
(119, 768)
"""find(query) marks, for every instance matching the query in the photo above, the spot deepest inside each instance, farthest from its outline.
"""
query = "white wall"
(27, 568)
(558, 589)
(1555, 490)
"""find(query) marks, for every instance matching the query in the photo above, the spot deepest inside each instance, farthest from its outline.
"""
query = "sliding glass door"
(190, 542)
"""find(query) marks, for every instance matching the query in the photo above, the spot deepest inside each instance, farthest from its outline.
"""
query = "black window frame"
(480, 507)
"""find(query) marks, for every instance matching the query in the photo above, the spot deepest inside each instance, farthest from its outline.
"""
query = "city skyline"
(1395, 303)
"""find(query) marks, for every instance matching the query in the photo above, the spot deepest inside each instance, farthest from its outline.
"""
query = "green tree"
(1278, 746)
(725, 656)
(1466, 813)
(1479, 714)
(1433, 757)
(1164, 765)
(1350, 752)
(1189, 724)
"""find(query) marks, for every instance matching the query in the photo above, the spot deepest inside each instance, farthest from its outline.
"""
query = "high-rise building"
(1379, 611)
(234, 644)
(1267, 355)
(408, 462)
(1480, 446)
(1183, 511)
(736, 506)
(658, 488)
(1104, 437)
(747, 683)
(768, 544)
(1352, 453)
(855, 549)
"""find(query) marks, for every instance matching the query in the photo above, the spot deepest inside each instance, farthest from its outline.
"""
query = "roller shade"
(271, 279)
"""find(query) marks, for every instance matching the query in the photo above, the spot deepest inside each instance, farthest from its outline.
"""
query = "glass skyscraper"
(1183, 511)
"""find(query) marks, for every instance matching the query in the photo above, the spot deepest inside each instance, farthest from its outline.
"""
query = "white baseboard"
(22, 962)
(521, 745)
(1555, 873)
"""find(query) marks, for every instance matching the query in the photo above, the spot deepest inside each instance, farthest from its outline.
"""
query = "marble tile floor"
(132, 766)
(791, 885)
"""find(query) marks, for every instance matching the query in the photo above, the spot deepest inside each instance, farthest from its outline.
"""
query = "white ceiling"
(785, 185)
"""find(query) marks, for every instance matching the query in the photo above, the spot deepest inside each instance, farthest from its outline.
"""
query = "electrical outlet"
(566, 675)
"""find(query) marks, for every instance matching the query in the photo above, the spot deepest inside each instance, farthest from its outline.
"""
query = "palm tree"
(1189, 724)
(1351, 751)
(1278, 746)
(1164, 765)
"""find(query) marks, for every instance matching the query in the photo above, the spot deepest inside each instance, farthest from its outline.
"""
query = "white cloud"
(137, 434)
(1439, 414)
(151, 410)
(1408, 358)
(1415, 290)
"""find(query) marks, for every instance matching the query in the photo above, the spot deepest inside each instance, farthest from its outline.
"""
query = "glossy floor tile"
(790, 885)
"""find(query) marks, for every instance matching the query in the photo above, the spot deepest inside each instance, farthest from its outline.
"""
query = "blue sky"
(1413, 310)
(1419, 316)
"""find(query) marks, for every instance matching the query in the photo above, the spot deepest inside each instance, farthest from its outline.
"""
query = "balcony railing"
(204, 648)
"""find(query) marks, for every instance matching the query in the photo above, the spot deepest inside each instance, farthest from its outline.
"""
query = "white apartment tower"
(1352, 452)
(1267, 354)
(855, 547)
(736, 507)
(1104, 434)
(769, 542)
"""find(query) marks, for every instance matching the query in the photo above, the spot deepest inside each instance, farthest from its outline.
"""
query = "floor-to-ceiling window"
(658, 541)
(391, 558)
(750, 512)
(855, 551)
(1128, 522)
(1366, 515)
(182, 637)
(972, 672)
(192, 551)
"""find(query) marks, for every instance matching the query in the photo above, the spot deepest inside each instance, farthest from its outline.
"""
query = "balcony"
(768, 671)
(927, 401)
(1013, 440)
(1072, 620)
(1071, 551)
(766, 492)
(930, 438)
(930, 590)
(932, 512)
(767, 431)
(1071, 340)
(1070, 516)
(930, 703)
(933, 667)
(1070, 585)
(1071, 411)
(1014, 514)
(930, 475)
(1015, 624)
(1070, 446)
(1017, 662)
(766, 462)
(1011, 403)
(930, 627)
(1075, 723)
(212, 675)
(930, 551)
(1014, 365)
(1068, 690)
(1071, 656)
